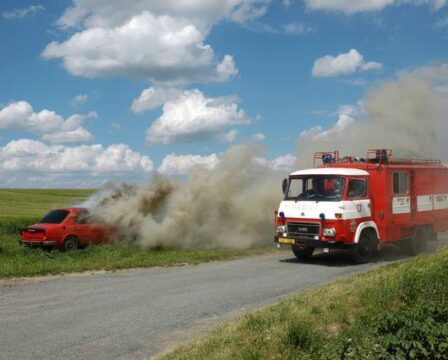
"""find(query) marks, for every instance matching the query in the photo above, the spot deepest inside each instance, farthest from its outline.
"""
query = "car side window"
(357, 188)
(401, 183)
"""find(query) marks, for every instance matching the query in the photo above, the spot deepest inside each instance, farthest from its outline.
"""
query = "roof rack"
(374, 156)
(384, 156)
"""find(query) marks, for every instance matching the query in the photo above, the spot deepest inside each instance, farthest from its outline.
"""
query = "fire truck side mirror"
(284, 185)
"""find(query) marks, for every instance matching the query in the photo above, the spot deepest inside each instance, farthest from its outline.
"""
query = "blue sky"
(218, 73)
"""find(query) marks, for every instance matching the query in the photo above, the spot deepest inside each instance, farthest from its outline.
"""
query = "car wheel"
(70, 243)
(302, 253)
(362, 251)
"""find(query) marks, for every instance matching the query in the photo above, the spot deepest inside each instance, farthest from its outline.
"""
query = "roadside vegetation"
(21, 207)
(396, 312)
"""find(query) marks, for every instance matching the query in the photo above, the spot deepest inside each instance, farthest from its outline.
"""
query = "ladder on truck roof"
(374, 156)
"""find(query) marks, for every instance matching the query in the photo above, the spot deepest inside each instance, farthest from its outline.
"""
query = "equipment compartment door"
(401, 197)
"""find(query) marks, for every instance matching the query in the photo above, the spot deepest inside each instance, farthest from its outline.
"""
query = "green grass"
(21, 207)
(19, 261)
(25, 203)
(396, 312)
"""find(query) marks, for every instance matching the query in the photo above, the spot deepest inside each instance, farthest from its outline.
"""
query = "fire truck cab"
(360, 203)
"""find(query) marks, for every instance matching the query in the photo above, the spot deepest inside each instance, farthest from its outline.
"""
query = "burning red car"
(66, 229)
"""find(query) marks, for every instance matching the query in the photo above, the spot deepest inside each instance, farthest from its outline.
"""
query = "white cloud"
(78, 100)
(174, 164)
(192, 117)
(28, 160)
(346, 116)
(21, 13)
(346, 63)
(258, 137)
(51, 126)
(297, 28)
(281, 163)
(168, 36)
(354, 6)
(179, 165)
(229, 136)
(154, 97)
(92, 13)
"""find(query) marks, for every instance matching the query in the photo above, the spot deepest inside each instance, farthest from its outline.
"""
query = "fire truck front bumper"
(304, 242)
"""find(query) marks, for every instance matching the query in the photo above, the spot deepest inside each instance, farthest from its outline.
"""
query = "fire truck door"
(360, 203)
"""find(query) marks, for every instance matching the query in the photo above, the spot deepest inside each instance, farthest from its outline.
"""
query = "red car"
(66, 229)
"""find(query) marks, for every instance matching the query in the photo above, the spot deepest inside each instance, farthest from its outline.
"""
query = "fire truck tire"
(416, 244)
(70, 243)
(362, 251)
(302, 253)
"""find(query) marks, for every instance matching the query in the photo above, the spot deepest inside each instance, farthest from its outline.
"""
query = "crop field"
(34, 203)
(21, 207)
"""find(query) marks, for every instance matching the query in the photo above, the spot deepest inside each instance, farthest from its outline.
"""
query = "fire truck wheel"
(302, 253)
(364, 249)
(415, 245)
(70, 243)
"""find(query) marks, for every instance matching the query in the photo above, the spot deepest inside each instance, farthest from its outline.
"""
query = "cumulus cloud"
(48, 124)
(346, 63)
(154, 97)
(347, 114)
(174, 164)
(26, 160)
(180, 165)
(91, 13)
(354, 6)
(190, 117)
(281, 163)
(406, 114)
(23, 12)
(168, 36)
(78, 100)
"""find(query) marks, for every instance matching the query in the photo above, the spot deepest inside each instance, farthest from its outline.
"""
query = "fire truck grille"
(304, 230)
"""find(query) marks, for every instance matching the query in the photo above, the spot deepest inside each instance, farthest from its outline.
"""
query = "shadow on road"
(341, 258)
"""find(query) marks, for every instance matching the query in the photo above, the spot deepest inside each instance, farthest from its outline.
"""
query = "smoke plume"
(408, 114)
(230, 206)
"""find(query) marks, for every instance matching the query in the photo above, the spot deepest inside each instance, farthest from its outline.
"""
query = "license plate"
(286, 241)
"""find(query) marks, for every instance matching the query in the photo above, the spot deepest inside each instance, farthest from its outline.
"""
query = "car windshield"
(316, 188)
(54, 217)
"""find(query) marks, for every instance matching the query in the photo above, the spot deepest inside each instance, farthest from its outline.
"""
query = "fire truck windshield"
(316, 188)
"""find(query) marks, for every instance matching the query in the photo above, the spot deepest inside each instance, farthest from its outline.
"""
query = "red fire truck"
(360, 203)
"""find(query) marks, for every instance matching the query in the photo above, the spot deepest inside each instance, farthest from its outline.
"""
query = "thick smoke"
(230, 206)
(408, 114)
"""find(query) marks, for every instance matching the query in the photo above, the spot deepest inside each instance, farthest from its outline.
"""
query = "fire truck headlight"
(281, 229)
(330, 232)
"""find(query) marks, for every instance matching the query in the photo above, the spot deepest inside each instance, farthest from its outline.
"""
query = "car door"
(81, 228)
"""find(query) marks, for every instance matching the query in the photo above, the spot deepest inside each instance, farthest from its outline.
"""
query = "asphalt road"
(138, 313)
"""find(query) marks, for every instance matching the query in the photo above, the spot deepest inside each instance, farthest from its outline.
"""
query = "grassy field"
(21, 207)
(32, 203)
(396, 312)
